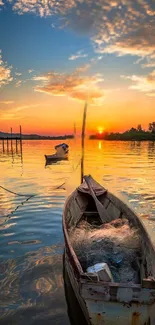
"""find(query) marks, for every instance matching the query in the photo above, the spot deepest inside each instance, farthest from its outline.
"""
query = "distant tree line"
(134, 134)
(37, 137)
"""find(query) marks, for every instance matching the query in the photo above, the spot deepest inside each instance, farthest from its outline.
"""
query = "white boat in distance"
(62, 150)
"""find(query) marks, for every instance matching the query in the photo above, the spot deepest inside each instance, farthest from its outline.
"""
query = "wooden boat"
(108, 303)
(61, 154)
(55, 158)
(102, 302)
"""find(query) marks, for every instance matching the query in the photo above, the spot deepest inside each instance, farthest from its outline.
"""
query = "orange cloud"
(18, 83)
(95, 96)
(151, 77)
(139, 42)
(7, 102)
(72, 85)
(13, 112)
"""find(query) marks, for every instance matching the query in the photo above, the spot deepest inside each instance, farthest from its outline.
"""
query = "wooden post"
(16, 145)
(3, 145)
(7, 142)
(11, 141)
(21, 150)
(20, 133)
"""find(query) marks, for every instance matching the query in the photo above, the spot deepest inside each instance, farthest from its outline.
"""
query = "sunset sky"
(55, 54)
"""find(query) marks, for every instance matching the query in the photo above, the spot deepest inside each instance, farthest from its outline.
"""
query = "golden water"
(31, 238)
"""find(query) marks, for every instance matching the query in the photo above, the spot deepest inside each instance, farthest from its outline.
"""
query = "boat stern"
(107, 305)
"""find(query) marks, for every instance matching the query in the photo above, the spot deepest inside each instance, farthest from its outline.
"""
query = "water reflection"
(33, 288)
(151, 150)
(100, 145)
(74, 310)
(31, 281)
(136, 147)
(13, 155)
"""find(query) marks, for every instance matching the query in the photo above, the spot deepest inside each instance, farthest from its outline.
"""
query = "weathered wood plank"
(113, 211)
(105, 201)
(148, 283)
(100, 208)
(82, 201)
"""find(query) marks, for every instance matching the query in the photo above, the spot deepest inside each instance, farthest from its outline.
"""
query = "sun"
(100, 129)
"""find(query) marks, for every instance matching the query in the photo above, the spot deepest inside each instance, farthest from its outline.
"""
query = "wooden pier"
(11, 142)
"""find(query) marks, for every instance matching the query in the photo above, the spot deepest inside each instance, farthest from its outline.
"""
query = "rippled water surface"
(31, 238)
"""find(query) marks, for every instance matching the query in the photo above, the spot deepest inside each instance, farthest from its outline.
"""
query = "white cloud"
(78, 55)
(30, 70)
(5, 72)
(40, 78)
(144, 84)
(149, 64)
(18, 83)
(18, 74)
(123, 27)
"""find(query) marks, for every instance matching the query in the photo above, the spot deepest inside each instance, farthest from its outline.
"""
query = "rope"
(25, 195)
(28, 197)
(59, 186)
(18, 206)
(77, 165)
(32, 195)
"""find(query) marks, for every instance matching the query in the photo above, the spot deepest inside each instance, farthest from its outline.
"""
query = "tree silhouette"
(152, 127)
(139, 128)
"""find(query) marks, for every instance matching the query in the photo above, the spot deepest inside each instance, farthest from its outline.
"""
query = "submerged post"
(3, 144)
(11, 141)
(20, 133)
(16, 145)
(7, 142)
(83, 136)
(21, 150)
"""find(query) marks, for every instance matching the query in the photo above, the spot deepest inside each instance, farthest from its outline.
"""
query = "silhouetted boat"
(102, 302)
(61, 153)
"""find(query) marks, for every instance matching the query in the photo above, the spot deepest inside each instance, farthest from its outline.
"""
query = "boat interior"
(82, 208)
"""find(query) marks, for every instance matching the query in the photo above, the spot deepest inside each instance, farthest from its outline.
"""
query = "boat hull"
(76, 287)
(98, 311)
(111, 303)
(54, 158)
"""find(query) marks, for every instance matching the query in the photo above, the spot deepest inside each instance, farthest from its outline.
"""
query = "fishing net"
(114, 243)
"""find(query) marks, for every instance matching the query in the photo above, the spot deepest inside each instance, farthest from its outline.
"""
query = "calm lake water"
(31, 238)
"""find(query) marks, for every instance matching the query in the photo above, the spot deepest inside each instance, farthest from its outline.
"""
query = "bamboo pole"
(82, 143)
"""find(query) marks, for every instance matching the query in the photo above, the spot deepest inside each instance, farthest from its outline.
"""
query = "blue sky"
(30, 42)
